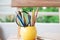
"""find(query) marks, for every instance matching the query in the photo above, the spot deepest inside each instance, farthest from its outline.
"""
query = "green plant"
(10, 18)
(48, 9)
(48, 19)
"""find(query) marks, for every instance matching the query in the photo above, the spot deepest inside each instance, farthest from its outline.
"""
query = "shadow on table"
(2, 37)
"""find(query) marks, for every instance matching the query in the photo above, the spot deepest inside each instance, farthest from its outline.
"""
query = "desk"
(45, 30)
(46, 36)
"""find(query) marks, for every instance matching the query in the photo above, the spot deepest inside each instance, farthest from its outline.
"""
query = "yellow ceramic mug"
(28, 33)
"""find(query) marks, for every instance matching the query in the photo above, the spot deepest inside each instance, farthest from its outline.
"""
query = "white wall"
(5, 2)
(5, 7)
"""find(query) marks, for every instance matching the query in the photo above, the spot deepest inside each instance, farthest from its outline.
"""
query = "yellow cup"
(28, 33)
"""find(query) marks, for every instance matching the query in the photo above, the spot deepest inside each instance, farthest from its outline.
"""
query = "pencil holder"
(27, 24)
(28, 33)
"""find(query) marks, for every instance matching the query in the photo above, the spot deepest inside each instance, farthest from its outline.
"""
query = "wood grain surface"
(23, 3)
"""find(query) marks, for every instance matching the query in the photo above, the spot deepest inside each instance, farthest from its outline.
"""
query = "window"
(41, 9)
(7, 14)
(46, 14)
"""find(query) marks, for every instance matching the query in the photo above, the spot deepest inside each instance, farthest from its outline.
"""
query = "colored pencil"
(25, 19)
(36, 12)
(32, 17)
(20, 20)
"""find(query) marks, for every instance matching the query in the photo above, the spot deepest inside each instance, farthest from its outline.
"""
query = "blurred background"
(47, 22)
(45, 15)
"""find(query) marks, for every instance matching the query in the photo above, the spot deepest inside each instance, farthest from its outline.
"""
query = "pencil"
(36, 13)
(35, 16)
(32, 18)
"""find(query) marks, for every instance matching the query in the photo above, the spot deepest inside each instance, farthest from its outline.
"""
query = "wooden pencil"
(32, 18)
